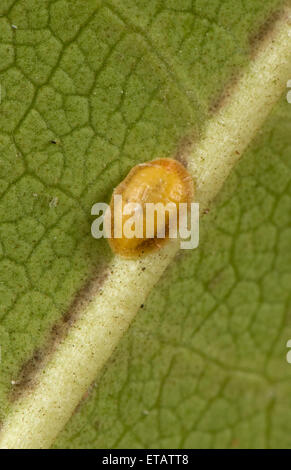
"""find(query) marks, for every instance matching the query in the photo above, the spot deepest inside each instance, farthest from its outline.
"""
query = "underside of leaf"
(56, 390)
(88, 89)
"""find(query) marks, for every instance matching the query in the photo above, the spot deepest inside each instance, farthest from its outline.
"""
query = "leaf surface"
(87, 91)
(204, 363)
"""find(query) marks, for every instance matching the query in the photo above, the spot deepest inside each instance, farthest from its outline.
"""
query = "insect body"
(163, 183)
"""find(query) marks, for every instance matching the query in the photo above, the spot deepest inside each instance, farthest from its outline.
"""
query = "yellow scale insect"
(160, 181)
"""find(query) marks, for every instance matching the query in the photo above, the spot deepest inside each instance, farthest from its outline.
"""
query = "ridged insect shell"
(159, 181)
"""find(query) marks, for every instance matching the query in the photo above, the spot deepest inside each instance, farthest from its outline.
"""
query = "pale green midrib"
(39, 416)
(174, 75)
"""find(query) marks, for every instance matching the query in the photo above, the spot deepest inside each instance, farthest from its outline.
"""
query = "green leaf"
(88, 89)
(204, 363)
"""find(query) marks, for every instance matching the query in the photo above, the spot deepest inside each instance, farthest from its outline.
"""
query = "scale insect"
(164, 183)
